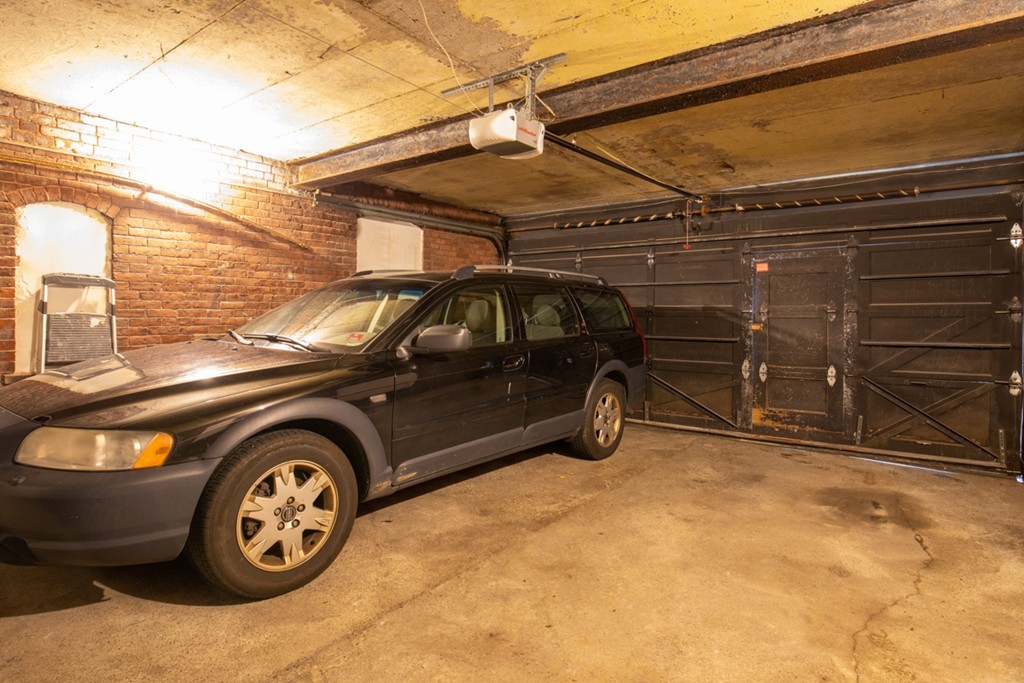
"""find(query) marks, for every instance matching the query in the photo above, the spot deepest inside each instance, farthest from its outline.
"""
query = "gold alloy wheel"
(607, 419)
(286, 516)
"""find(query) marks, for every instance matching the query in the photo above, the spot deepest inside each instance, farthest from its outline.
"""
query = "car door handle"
(513, 363)
(587, 351)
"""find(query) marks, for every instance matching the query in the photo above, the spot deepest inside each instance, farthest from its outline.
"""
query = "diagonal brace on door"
(692, 401)
(942, 406)
(942, 427)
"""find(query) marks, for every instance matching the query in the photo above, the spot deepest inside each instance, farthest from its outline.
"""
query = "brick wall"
(442, 250)
(181, 269)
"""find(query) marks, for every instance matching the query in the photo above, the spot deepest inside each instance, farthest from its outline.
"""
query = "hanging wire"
(451, 62)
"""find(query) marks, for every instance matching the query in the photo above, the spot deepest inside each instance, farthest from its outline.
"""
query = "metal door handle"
(513, 363)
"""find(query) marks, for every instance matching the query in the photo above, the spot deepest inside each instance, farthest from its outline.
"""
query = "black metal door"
(940, 344)
(797, 342)
(892, 327)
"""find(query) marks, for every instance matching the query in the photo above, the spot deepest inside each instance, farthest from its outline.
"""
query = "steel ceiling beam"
(870, 36)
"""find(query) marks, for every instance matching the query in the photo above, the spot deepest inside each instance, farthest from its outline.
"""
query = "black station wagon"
(250, 452)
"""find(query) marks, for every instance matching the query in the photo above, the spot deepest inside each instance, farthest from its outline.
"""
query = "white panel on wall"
(52, 237)
(382, 245)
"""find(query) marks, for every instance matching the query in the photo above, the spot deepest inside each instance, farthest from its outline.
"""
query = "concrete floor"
(682, 558)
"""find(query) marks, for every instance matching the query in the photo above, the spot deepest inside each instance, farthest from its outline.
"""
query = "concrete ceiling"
(703, 95)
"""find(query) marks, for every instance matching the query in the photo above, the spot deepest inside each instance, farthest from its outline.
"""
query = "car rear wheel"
(603, 421)
(275, 515)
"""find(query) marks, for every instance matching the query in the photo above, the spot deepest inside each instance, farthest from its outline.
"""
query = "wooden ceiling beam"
(870, 36)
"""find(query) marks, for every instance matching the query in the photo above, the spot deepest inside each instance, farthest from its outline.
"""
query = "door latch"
(745, 369)
(763, 372)
(830, 376)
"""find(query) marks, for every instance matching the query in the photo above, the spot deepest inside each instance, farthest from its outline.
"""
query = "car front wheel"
(275, 515)
(603, 421)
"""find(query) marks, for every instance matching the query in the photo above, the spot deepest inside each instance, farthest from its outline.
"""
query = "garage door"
(889, 326)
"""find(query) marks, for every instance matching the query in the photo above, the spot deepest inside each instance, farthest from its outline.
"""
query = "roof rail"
(383, 271)
(467, 271)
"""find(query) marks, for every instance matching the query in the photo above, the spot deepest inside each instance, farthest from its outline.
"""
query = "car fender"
(340, 413)
(634, 384)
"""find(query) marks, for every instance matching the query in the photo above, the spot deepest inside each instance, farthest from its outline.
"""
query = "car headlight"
(95, 450)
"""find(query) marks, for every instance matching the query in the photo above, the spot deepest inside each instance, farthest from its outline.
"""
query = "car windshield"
(345, 314)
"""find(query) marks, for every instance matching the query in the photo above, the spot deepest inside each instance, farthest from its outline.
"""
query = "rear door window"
(547, 311)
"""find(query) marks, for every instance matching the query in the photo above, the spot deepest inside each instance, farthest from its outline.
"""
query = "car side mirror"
(442, 339)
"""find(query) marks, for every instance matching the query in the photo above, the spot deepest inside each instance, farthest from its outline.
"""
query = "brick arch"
(60, 193)
(17, 353)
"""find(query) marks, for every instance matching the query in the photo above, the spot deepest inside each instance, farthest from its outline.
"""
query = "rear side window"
(604, 311)
(547, 311)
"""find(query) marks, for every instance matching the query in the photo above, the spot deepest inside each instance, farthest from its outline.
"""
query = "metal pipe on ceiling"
(850, 198)
(118, 179)
(495, 234)
(707, 210)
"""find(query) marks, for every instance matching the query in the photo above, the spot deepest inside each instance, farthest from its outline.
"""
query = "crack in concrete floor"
(918, 579)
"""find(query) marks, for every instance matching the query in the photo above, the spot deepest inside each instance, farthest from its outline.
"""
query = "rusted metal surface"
(892, 326)
(375, 195)
(863, 38)
(797, 337)
(819, 49)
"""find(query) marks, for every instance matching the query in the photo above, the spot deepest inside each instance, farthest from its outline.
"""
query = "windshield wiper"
(239, 338)
(285, 339)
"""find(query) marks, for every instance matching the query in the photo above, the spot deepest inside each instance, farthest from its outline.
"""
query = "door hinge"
(745, 369)
(830, 376)
(1015, 384)
(1015, 309)
(763, 372)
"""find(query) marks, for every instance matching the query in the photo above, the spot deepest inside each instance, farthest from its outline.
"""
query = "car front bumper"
(93, 518)
(98, 518)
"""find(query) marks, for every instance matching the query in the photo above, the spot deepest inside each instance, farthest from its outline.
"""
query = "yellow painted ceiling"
(293, 78)
(966, 104)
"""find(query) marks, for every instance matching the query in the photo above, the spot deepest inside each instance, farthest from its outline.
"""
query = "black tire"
(257, 548)
(603, 420)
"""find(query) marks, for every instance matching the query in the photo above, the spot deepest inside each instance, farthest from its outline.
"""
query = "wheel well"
(619, 378)
(343, 439)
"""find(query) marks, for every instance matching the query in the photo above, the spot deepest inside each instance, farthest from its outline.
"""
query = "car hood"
(175, 375)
